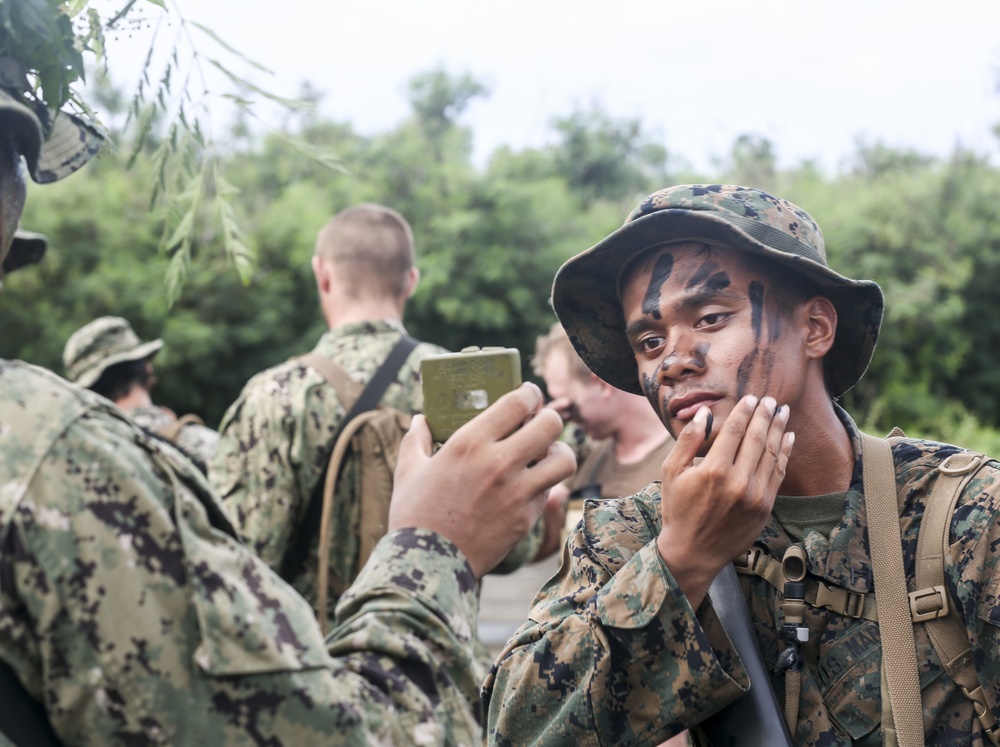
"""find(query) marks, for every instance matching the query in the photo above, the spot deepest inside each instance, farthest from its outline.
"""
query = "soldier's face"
(581, 401)
(707, 329)
(12, 192)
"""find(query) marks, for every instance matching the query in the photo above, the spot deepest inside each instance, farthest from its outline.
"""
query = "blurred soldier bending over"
(131, 613)
(717, 304)
(107, 357)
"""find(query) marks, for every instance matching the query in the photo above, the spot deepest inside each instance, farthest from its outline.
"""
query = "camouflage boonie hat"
(54, 143)
(94, 348)
(27, 249)
(585, 293)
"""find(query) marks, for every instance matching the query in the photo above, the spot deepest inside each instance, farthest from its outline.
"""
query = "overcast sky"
(810, 76)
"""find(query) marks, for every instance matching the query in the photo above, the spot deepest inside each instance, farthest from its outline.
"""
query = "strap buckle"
(929, 604)
(983, 713)
(959, 464)
(751, 563)
(838, 599)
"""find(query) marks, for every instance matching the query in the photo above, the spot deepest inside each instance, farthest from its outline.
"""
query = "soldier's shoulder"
(918, 458)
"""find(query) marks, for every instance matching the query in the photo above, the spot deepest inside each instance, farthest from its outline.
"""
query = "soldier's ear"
(412, 278)
(820, 317)
(323, 275)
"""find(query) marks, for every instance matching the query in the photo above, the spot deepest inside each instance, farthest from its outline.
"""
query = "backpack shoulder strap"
(348, 390)
(930, 602)
(902, 712)
(173, 429)
(304, 531)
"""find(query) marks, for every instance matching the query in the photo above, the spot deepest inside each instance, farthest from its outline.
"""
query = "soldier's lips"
(684, 408)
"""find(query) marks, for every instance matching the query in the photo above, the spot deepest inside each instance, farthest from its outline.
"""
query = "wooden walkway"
(505, 600)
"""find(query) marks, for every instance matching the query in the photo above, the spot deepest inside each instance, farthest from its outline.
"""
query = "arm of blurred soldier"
(614, 633)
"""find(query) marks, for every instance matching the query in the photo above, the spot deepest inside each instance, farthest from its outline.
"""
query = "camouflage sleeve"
(137, 619)
(612, 652)
(258, 464)
(416, 600)
(198, 440)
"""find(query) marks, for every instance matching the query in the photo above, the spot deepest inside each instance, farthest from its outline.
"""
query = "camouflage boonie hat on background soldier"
(27, 249)
(585, 293)
(94, 348)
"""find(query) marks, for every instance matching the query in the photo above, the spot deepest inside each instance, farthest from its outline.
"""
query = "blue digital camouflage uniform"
(129, 609)
(276, 439)
(613, 654)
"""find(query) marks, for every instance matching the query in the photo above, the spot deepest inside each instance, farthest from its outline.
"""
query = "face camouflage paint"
(661, 273)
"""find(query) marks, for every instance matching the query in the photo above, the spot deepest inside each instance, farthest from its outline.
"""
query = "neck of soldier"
(640, 430)
(138, 396)
(342, 311)
(822, 459)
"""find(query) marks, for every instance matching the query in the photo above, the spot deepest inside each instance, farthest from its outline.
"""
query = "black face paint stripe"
(709, 276)
(743, 373)
(756, 293)
(661, 273)
(774, 322)
(701, 352)
(651, 388)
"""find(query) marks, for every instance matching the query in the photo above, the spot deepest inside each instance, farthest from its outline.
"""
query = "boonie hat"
(94, 348)
(586, 298)
(27, 249)
(54, 143)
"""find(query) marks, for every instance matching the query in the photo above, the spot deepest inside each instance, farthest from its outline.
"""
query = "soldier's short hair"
(557, 341)
(372, 248)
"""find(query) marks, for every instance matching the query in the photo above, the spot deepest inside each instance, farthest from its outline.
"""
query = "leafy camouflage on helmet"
(585, 294)
(613, 653)
(102, 343)
(128, 607)
(54, 143)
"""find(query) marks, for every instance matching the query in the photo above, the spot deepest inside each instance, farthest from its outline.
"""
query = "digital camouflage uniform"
(128, 607)
(194, 439)
(614, 654)
(276, 438)
(109, 341)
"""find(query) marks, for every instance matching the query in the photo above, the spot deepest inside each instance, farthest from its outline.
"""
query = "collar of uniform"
(842, 558)
(337, 335)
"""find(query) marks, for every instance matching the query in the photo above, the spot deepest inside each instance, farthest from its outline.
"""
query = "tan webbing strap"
(173, 429)
(930, 603)
(818, 594)
(347, 388)
(899, 656)
(325, 533)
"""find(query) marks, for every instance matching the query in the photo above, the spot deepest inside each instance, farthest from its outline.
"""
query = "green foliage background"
(490, 238)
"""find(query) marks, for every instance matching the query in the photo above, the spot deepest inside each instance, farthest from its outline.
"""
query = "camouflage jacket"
(614, 654)
(276, 439)
(129, 608)
(196, 440)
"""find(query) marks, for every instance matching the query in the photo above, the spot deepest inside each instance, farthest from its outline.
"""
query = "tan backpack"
(372, 432)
